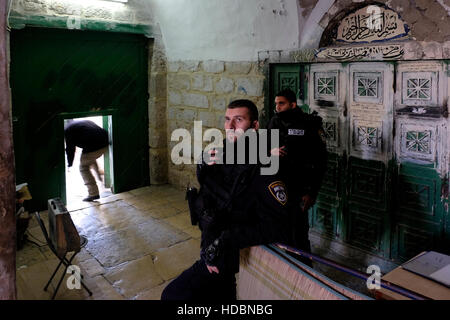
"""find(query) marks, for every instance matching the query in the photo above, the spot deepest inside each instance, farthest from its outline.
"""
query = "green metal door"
(386, 187)
(56, 72)
(325, 96)
(355, 102)
(370, 127)
(420, 213)
(288, 76)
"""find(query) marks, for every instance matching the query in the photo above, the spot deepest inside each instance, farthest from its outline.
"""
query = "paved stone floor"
(137, 242)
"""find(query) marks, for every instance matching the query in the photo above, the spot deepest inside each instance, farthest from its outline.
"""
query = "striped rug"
(267, 273)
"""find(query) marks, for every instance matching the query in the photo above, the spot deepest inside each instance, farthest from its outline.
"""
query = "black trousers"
(197, 284)
(300, 229)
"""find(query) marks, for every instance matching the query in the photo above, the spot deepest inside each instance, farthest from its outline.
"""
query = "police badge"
(278, 190)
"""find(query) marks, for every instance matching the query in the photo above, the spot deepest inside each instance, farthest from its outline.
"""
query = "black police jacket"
(305, 164)
(241, 207)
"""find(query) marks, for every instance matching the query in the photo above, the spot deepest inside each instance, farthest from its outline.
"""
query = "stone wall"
(201, 91)
(107, 16)
(231, 30)
(427, 19)
(157, 111)
(130, 12)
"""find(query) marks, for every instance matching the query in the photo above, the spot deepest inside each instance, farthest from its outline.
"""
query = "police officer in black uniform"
(236, 207)
(303, 160)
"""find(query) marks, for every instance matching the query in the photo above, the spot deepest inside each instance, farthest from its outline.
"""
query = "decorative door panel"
(289, 80)
(331, 128)
(422, 158)
(283, 77)
(421, 141)
(324, 218)
(365, 228)
(418, 219)
(411, 240)
(326, 91)
(367, 183)
(327, 96)
(417, 193)
(326, 214)
(421, 89)
(326, 86)
(368, 204)
(370, 109)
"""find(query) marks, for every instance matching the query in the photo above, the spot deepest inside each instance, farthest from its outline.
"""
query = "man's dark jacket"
(84, 134)
(249, 211)
(304, 166)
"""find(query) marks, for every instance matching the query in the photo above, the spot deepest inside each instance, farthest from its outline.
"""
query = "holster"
(191, 197)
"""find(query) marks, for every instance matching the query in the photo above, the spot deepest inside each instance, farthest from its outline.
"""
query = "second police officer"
(303, 160)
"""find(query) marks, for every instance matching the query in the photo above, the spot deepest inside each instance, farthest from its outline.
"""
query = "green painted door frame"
(108, 159)
(107, 116)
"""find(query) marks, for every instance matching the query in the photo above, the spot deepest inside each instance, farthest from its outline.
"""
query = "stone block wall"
(109, 15)
(201, 91)
(157, 108)
(130, 12)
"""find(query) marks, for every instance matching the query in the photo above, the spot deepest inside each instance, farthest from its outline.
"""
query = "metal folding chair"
(63, 260)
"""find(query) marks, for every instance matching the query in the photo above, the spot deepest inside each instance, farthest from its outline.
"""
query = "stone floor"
(137, 242)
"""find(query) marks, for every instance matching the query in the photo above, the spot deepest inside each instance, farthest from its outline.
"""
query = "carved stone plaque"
(371, 24)
(367, 52)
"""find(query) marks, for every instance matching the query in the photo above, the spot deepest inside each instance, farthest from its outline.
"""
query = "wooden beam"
(7, 177)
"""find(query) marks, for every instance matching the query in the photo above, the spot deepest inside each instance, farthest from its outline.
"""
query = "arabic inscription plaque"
(371, 24)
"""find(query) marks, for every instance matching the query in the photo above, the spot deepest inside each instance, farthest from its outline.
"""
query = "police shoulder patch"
(278, 190)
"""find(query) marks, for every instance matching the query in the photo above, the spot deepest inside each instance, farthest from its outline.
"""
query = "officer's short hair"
(288, 94)
(244, 103)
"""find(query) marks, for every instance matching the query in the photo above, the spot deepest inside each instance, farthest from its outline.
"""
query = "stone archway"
(428, 20)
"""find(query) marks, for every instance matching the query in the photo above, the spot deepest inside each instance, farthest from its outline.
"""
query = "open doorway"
(75, 187)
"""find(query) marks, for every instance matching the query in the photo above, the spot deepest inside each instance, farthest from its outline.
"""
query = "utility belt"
(200, 213)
